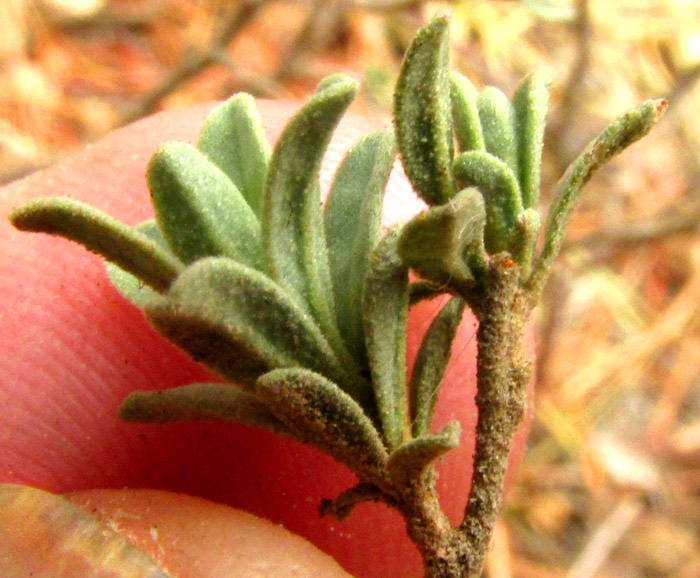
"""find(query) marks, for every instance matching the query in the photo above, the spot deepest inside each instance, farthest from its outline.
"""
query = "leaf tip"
(36, 216)
(17, 217)
(339, 81)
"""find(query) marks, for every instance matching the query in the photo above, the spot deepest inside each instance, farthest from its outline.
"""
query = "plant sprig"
(303, 310)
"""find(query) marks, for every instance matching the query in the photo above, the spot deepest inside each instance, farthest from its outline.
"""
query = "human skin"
(71, 348)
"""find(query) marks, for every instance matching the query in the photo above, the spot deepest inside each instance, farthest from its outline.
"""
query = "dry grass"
(610, 486)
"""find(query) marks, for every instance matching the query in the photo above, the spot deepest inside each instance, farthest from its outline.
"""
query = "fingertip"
(196, 538)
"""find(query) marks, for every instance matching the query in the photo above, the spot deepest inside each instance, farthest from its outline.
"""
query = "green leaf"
(352, 218)
(445, 244)
(151, 230)
(199, 402)
(465, 113)
(422, 290)
(240, 323)
(498, 125)
(621, 133)
(431, 362)
(199, 210)
(408, 462)
(292, 224)
(331, 80)
(498, 185)
(130, 287)
(133, 251)
(317, 412)
(385, 314)
(525, 241)
(423, 113)
(233, 137)
(531, 102)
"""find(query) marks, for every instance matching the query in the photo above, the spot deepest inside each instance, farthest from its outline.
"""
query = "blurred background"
(610, 485)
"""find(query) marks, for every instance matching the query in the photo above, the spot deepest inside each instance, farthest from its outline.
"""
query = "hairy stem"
(443, 549)
(502, 378)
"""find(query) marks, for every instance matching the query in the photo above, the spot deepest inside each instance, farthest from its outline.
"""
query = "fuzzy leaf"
(385, 313)
(330, 81)
(465, 113)
(317, 412)
(133, 251)
(292, 223)
(234, 139)
(621, 133)
(242, 324)
(445, 244)
(408, 462)
(531, 102)
(199, 210)
(431, 362)
(423, 290)
(351, 221)
(423, 114)
(499, 187)
(525, 241)
(130, 287)
(199, 402)
(498, 125)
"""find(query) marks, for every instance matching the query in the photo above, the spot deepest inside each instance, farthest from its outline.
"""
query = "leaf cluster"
(474, 157)
(303, 308)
